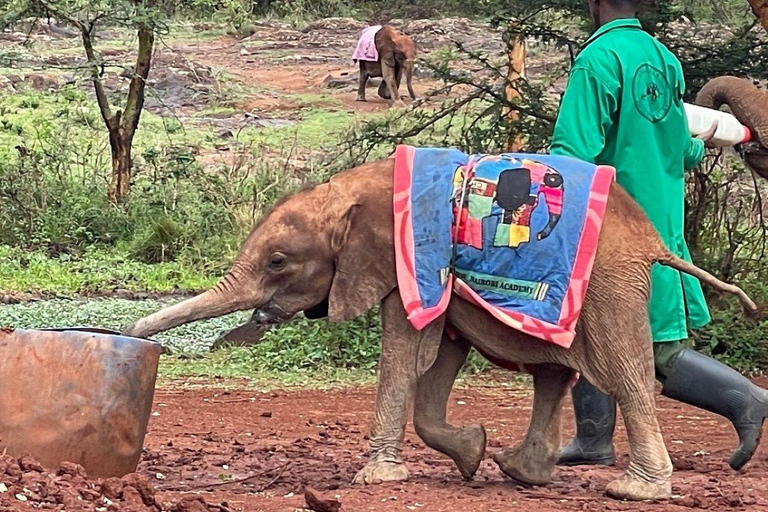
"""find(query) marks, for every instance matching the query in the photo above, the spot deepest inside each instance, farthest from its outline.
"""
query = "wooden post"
(516, 52)
(760, 8)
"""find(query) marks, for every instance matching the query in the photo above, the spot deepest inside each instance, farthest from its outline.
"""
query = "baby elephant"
(396, 53)
(329, 250)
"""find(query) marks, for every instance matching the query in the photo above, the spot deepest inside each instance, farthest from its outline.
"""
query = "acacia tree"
(86, 16)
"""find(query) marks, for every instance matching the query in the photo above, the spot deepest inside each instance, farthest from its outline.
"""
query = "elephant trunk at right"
(750, 106)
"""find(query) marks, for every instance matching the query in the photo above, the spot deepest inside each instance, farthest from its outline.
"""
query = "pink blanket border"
(405, 258)
(562, 333)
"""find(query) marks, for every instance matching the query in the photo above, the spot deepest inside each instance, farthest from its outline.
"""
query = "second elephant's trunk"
(746, 101)
(750, 106)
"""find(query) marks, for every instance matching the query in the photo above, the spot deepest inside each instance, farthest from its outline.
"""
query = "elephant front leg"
(534, 459)
(390, 78)
(403, 348)
(466, 446)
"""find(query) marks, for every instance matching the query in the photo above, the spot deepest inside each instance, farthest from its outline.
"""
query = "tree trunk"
(120, 125)
(123, 127)
(120, 183)
(516, 53)
(760, 8)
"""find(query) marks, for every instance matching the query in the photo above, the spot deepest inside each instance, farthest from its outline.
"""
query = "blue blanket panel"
(533, 275)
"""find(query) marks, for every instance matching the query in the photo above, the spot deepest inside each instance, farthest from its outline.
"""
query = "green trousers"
(664, 355)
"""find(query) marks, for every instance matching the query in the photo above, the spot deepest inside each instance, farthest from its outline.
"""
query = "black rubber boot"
(710, 385)
(595, 421)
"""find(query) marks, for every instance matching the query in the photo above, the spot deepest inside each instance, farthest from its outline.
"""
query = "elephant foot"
(361, 98)
(632, 488)
(469, 455)
(376, 472)
(519, 464)
(383, 91)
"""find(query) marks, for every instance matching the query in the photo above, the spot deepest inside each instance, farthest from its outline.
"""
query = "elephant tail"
(751, 309)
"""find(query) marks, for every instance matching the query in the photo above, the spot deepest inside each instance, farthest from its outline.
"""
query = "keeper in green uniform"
(623, 107)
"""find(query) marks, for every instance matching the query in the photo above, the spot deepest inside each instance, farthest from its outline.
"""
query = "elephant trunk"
(229, 295)
(747, 103)
(750, 106)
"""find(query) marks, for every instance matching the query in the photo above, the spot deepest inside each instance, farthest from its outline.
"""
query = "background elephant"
(397, 53)
(750, 106)
(329, 250)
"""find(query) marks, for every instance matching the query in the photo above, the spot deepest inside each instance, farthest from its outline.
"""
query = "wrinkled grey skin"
(329, 250)
(750, 106)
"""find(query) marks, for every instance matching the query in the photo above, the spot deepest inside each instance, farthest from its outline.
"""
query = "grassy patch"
(226, 368)
(315, 130)
(300, 353)
(97, 271)
(116, 314)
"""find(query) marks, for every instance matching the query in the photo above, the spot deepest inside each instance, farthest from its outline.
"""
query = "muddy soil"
(258, 451)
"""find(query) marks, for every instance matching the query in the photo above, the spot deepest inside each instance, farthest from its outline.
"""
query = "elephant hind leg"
(650, 468)
(534, 459)
(363, 80)
(630, 380)
(383, 90)
(408, 67)
(466, 446)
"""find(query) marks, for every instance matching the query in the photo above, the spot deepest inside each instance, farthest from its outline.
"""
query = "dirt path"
(287, 440)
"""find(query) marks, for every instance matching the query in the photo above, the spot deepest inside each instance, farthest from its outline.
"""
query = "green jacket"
(623, 107)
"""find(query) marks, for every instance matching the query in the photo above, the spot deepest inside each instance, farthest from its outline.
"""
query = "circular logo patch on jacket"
(651, 93)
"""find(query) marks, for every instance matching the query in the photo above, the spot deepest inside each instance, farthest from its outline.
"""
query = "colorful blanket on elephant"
(515, 234)
(366, 47)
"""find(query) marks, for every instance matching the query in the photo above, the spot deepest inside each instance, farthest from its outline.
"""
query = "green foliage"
(54, 168)
(308, 344)
(729, 11)
(731, 337)
(94, 270)
(300, 11)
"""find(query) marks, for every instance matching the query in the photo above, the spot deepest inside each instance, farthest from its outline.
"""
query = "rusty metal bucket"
(76, 396)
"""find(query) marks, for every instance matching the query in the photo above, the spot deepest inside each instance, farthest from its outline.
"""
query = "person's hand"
(708, 135)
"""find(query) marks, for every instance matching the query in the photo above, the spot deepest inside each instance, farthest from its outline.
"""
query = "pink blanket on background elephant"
(366, 48)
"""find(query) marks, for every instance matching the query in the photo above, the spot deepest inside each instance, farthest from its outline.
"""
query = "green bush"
(54, 170)
(733, 338)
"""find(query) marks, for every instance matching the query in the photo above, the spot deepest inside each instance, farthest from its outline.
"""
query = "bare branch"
(94, 61)
(135, 101)
(96, 74)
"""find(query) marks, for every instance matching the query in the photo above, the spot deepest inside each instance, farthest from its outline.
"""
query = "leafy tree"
(86, 16)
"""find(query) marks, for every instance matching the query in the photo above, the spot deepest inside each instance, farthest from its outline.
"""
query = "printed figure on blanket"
(511, 195)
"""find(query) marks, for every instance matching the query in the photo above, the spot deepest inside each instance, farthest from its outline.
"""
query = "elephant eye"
(277, 261)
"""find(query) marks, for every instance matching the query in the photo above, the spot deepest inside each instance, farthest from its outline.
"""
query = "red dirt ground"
(201, 442)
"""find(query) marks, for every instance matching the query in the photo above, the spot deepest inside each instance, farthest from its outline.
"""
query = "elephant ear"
(365, 261)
